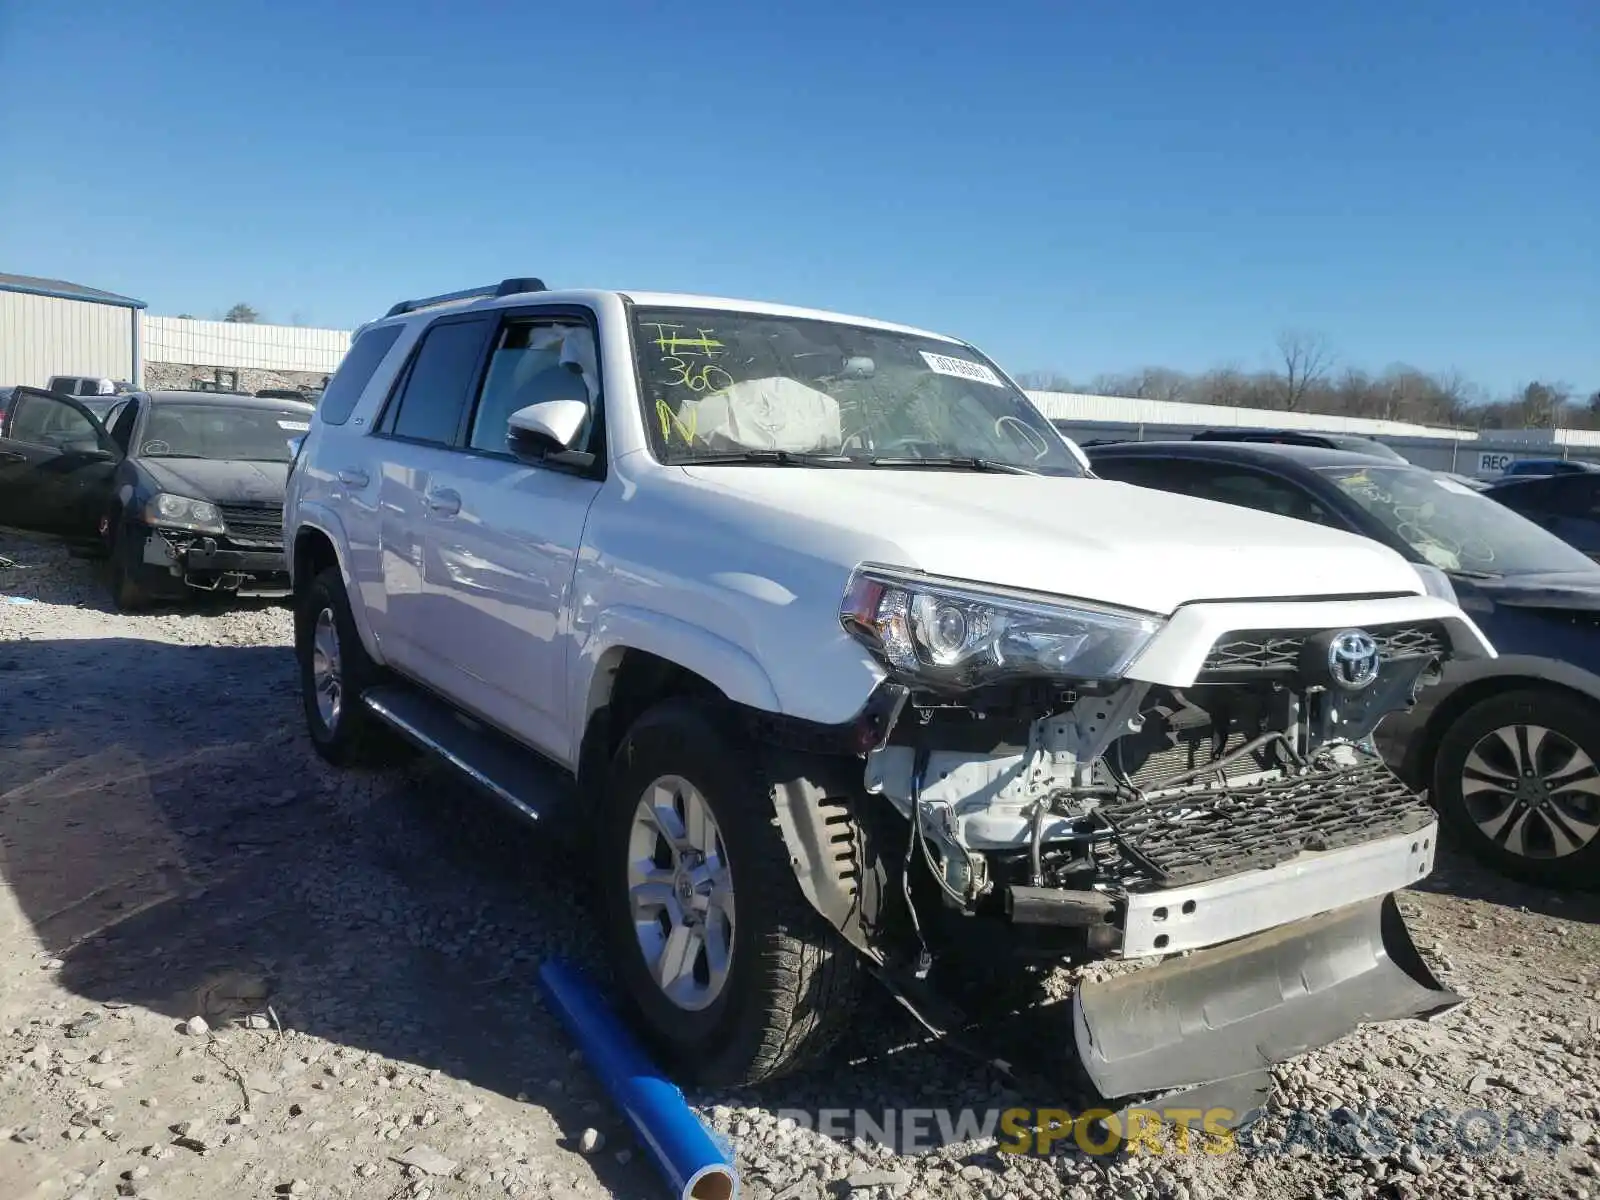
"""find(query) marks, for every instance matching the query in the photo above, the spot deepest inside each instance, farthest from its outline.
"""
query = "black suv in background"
(1567, 504)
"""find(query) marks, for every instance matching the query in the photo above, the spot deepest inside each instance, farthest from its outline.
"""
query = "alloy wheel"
(1533, 791)
(681, 893)
(325, 675)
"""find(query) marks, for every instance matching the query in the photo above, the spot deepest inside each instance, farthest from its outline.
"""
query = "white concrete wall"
(259, 347)
(41, 336)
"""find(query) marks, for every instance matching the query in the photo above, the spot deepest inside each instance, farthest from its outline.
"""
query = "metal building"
(51, 327)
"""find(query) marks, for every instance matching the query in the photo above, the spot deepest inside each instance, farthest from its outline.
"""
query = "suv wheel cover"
(326, 680)
(680, 893)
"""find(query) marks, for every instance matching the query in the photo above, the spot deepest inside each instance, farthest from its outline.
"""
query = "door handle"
(445, 502)
(353, 477)
(12, 456)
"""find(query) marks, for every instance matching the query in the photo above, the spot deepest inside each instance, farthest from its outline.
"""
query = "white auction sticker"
(961, 368)
(295, 426)
(1450, 485)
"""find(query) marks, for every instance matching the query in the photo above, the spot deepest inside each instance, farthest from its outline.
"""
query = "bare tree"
(1542, 405)
(1045, 381)
(1306, 359)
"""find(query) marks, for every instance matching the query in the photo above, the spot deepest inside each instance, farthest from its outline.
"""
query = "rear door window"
(432, 397)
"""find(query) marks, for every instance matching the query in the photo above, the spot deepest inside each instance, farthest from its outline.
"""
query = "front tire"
(334, 672)
(126, 594)
(730, 974)
(1518, 782)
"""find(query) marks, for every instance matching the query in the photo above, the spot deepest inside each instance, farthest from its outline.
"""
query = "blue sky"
(1083, 186)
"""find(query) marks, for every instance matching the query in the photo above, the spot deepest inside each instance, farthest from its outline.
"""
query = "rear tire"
(1517, 778)
(335, 670)
(767, 985)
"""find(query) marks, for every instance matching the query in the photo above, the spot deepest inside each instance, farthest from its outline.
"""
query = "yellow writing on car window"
(670, 420)
(670, 342)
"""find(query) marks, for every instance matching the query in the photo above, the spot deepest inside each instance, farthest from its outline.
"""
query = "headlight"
(180, 512)
(944, 633)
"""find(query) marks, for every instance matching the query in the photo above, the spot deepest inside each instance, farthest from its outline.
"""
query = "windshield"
(1453, 527)
(729, 384)
(222, 431)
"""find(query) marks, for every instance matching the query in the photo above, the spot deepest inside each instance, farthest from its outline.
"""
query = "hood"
(1089, 538)
(1565, 590)
(222, 481)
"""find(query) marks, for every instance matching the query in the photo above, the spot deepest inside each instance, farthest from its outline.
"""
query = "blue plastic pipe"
(693, 1164)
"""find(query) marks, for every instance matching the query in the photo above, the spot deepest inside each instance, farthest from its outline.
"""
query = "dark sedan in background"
(180, 491)
(1509, 748)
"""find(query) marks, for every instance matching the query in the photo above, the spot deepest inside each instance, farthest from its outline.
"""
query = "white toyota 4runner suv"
(849, 667)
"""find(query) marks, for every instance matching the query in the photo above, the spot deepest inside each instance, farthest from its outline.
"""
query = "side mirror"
(545, 432)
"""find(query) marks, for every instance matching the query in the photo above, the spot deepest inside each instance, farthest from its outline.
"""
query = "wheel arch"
(1516, 674)
(812, 796)
(316, 546)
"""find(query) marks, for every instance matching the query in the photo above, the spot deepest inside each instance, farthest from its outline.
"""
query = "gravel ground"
(360, 949)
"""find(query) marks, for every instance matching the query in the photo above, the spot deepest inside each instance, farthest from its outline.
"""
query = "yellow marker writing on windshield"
(669, 342)
(670, 420)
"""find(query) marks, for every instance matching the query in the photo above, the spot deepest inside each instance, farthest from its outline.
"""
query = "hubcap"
(1533, 791)
(325, 677)
(680, 891)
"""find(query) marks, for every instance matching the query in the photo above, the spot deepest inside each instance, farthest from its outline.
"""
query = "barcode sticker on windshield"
(295, 426)
(961, 368)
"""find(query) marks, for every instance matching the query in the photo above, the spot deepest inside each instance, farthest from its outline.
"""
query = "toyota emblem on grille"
(1353, 659)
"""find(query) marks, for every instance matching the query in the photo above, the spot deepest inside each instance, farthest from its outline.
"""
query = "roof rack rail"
(506, 287)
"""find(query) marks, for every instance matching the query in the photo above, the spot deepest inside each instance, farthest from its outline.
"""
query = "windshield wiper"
(993, 465)
(776, 458)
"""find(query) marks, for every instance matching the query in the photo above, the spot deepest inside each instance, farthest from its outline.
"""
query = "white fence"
(245, 347)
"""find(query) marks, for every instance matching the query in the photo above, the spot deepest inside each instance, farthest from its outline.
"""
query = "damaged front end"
(233, 549)
(1239, 816)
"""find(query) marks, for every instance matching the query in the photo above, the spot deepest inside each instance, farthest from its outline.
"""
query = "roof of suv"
(663, 300)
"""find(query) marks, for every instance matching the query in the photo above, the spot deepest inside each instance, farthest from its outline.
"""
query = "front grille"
(1278, 651)
(1175, 841)
(254, 524)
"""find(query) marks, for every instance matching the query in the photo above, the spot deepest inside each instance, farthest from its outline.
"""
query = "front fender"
(733, 670)
(311, 515)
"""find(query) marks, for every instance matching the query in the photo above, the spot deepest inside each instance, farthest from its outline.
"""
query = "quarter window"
(355, 372)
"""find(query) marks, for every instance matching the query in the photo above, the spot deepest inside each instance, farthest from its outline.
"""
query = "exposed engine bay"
(1068, 809)
(1243, 830)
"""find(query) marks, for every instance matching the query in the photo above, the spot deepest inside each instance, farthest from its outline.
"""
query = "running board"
(531, 786)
